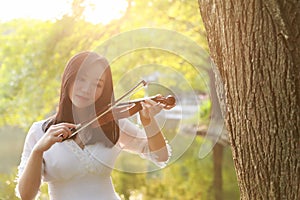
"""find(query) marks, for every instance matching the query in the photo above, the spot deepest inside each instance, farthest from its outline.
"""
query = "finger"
(63, 132)
(56, 138)
(156, 109)
(158, 106)
(168, 107)
(64, 135)
(54, 128)
(67, 130)
(150, 102)
(58, 131)
(65, 126)
(161, 105)
(145, 105)
(69, 125)
(145, 109)
(60, 138)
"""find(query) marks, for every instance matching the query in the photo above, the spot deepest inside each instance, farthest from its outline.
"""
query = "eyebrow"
(87, 76)
(95, 80)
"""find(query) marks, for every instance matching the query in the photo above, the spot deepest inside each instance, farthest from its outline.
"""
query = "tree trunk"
(256, 48)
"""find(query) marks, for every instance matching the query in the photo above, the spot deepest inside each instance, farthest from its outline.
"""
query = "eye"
(81, 79)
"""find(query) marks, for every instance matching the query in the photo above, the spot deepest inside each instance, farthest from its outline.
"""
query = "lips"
(82, 98)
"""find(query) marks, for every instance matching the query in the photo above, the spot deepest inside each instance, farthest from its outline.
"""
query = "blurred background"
(160, 41)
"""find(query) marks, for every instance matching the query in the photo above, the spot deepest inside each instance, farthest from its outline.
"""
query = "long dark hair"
(108, 133)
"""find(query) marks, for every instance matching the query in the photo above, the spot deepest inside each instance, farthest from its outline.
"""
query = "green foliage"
(18, 72)
(33, 57)
(33, 53)
(205, 111)
(187, 178)
(7, 186)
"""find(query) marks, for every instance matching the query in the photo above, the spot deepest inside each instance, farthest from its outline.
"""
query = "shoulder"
(37, 126)
(35, 131)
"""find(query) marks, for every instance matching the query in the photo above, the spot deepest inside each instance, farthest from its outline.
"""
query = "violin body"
(127, 109)
(123, 110)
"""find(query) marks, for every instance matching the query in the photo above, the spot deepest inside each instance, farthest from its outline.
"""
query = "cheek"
(70, 92)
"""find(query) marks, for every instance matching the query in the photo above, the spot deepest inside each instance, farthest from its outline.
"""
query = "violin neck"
(138, 100)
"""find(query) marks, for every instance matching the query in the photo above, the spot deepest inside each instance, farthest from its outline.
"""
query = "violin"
(127, 109)
(123, 110)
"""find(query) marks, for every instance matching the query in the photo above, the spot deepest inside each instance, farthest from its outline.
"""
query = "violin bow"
(80, 127)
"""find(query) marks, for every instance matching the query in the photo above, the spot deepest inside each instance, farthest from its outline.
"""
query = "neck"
(81, 114)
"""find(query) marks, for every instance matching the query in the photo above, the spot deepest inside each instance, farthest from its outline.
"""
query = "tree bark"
(256, 48)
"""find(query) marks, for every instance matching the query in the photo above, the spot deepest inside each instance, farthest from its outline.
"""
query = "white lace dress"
(73, 173)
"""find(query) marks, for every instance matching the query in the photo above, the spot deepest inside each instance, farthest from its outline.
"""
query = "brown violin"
(127, 109)
(124, 110)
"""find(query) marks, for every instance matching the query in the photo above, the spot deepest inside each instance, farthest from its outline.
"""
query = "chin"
(82, 105)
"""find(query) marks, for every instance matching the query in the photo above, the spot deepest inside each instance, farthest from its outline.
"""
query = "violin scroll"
(168, 101)
(124, 110)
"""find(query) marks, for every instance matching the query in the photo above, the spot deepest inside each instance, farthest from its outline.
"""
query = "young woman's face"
(88, 86)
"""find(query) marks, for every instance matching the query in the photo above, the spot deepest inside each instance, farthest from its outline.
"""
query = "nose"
(86, 88)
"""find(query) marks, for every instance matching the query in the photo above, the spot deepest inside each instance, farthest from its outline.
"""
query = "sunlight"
(97, 11)
(104, 11)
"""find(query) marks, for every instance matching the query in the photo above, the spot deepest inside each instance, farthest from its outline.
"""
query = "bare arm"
(156, 140)
(30, 180)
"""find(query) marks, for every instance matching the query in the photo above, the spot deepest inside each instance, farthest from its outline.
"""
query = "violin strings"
(138, 86)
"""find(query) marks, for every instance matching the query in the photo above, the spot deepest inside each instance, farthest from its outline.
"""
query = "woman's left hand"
(150, 109)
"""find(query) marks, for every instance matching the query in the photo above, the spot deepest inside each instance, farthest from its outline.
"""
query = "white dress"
(73, 173)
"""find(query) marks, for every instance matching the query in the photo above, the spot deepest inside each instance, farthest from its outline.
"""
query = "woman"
(80, 167)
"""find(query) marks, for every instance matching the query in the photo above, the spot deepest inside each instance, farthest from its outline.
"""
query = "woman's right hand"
(55, 133)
